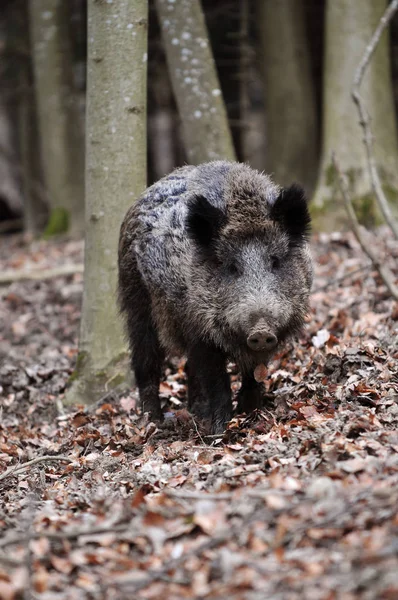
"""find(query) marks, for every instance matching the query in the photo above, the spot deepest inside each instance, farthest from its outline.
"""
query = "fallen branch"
(196, 495)
(364, 119)
(385, 273)
(71, 534)
(17, 469)
(39, 275)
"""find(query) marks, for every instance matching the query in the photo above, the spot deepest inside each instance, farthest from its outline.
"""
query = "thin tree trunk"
(289, 92)
(60, 127)
(11, 203)
(115, 176)
(194, 79)
(34, 198)
(244, 75)
(349, 27)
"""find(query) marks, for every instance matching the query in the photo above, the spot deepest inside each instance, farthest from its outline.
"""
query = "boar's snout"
(261, 339)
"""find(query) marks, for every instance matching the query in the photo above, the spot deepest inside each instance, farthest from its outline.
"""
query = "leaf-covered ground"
(299, 500)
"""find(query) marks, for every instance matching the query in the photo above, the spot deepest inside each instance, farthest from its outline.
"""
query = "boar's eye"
(275, 263)
(233, 269)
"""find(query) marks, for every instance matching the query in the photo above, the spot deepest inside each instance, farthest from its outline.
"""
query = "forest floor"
(297, 501)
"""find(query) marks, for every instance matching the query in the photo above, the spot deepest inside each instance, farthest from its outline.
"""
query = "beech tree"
(349, 27)
(289, 95)
(115, 176)
(60, 127)
(194, 79)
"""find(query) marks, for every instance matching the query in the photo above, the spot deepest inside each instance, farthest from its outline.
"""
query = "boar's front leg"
(250, 395)
(197, 403)
(209, 375)
(147, 355)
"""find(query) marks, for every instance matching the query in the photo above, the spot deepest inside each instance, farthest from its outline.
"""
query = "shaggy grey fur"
(209, 256)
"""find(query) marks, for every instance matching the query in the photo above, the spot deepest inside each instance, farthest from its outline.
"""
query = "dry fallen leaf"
(260, 373)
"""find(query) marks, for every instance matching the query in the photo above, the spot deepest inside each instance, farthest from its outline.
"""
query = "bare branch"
(384, 271)
(71, 534)
(17, 469)
(364, 119)
(39, 275)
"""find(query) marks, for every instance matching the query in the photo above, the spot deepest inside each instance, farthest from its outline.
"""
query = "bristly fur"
(207, 256)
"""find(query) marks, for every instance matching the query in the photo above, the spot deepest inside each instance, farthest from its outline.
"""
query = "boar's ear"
(290, 209)
(204, 220)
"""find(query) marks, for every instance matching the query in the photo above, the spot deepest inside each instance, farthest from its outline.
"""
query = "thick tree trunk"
(60, 127)
(289, 92)
(349, 27)
(115, 176)
(195, 82)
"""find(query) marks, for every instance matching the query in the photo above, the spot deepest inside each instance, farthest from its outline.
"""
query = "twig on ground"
(197, 431)
(385, 273)
(63, 535)
(364, 119)
(38, 275)
(17, 469)
(196, 495)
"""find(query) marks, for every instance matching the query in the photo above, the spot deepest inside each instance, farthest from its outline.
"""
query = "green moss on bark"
(58, 223)
(95, 383)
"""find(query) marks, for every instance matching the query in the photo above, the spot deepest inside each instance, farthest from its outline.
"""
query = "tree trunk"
(349, 27)
(34, 208)
(60, 127)
(289, 92)
(11, 201)
(115, 176)
(195, 82)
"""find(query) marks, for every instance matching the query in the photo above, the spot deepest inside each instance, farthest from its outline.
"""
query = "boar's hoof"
(262, 340)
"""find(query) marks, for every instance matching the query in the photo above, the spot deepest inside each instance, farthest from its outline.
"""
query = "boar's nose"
(262, 340)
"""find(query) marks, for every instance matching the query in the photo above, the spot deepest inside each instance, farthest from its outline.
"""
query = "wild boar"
(214, 264)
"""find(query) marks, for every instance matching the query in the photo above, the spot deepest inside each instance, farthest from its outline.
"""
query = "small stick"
(17, 469)
(196, 495)
(63, 535)
(39, 275)
(364, 119)
(385, 273)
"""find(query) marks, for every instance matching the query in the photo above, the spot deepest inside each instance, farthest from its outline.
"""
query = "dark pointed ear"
(204, 220)
(290, 209)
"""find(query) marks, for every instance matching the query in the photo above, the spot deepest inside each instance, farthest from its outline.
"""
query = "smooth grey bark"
(194, 79)
(115, 177)
(289, 92)
(349, 28)
(60, 126)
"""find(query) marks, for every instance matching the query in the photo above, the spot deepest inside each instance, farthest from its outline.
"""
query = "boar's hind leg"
(147, 357)
(250, 395)
(213, 380)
